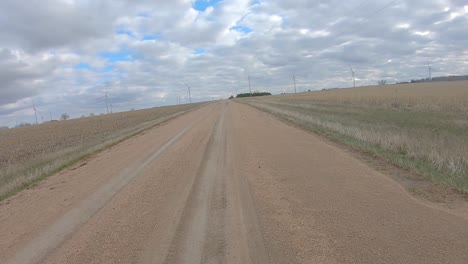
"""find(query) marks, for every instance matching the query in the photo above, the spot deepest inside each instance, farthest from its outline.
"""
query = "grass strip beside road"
(426, 142)
(25, 174)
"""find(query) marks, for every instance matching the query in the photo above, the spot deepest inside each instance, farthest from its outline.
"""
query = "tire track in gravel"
(58, 231)
(219, 222)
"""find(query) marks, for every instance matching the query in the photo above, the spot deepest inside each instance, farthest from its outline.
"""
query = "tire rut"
(60, 230)
(218, 224)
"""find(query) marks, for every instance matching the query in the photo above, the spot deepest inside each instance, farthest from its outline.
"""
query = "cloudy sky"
(64, 54)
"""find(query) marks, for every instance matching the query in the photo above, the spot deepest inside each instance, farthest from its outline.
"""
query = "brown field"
(452, 96)
(420, 127)
(32, 152)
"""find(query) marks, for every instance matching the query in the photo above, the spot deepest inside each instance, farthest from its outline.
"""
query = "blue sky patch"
(199, 51)
(256, 2)
(106, 69)
(145, 14)
(117, 56)
(202, 5)
(242, 29)
(82, 66)
(121, 31)
(152, 37)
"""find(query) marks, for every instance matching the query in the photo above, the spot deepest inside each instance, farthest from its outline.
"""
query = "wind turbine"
(352, 74)
(35, 110)
(294, 79)
(429, 68)
(190, 97)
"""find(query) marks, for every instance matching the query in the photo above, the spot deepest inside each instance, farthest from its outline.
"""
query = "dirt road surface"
(226, 183)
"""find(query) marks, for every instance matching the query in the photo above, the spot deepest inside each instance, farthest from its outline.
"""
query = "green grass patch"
(428, 143)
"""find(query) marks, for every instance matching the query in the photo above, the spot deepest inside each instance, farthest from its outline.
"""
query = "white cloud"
(64, 53)
(404, 26)
(422, 33)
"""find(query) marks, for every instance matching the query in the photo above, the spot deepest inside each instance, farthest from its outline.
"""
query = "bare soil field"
(227, 183)
(30, 153)
(438, 96)
(419, 127)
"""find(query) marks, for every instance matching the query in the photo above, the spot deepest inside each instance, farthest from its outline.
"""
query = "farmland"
(33, 152)
(419, 127)
(228, 183)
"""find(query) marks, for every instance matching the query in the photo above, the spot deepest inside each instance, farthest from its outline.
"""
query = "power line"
(360, 22)
(106, 97)
(379, 10)
(107, 103)
(367, 17)
(345, 16)
(362, 4)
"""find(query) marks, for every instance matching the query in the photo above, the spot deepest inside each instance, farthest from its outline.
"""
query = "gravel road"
(227, 183)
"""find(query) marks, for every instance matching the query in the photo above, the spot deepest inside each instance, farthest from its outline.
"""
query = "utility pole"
(294, 79)
(430, 70)
(250, 89)
(190, 96)
(354, 79)
(234, 88)
(107, 104)
(50, 113)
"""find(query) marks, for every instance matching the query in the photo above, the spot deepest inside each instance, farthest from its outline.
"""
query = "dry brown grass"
(28, 154)
(452, 96)
(420, 127)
